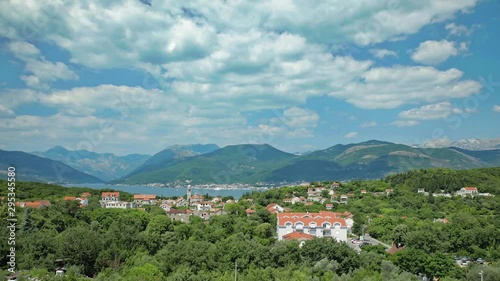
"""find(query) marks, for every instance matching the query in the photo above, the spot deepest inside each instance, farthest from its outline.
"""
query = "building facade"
(322, 224)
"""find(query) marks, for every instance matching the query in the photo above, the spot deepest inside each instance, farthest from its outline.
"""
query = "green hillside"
(264, 163)
(235, 163)
(33, 168)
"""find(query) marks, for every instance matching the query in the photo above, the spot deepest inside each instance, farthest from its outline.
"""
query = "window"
(312, 231)
(327, 232)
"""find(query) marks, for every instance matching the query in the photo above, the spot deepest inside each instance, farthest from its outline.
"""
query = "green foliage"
(115, 244)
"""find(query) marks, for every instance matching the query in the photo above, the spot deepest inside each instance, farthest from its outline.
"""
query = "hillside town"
(301, 226)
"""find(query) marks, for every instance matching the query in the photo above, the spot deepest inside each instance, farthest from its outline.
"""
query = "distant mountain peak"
(469, 144)
(57, 148)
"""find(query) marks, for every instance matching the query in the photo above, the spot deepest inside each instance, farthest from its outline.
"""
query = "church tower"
(188, 198)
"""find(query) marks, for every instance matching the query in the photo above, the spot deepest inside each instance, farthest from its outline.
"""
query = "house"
(144, 199)
(329, 206)
(343, 199)
(179, 215)
(274, 208)
(166, 205)
(118, 205)
(111, 200)
(86, 194)
(217, 199)
(181, 202)
(196, 199)
(363, 191)
(299, 236)
(322, 224)
(35, 204)
(335, 185)
(84, 201)
(110, 196)
(287, 200)
(467, 191)
(421, 190)
(389, 191)
(249, 212)
(204, 206)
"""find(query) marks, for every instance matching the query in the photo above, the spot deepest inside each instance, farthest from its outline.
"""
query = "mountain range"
(246, 163)
(264, 163)
(34, 168)
(105, 166)
(469, 144)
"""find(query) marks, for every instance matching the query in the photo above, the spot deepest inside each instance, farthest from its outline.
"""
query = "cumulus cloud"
(459, 29)
(390, 87)
(215, 61)
(351, 135)
(41, 72)
(430, 112)
(405, 123)
(381, 53)
(5, 111)
(496, 108)
(436, 52)
(296, 122)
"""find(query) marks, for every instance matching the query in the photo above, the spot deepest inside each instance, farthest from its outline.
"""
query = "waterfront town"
(291, 225)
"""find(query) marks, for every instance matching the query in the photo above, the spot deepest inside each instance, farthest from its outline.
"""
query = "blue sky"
(124, 77)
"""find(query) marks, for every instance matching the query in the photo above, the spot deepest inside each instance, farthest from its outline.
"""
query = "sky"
(130, 76)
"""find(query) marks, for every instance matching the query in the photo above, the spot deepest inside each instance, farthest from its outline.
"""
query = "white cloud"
(430, 112)
(351, 135)
(496, 108)
(296, 122)
(369, 124)
(436, 52)
(216, 61)
(381, 53)
(458, 30)
(390, 87)
(5, 111)
(298, 117)
(405, 123)
(41, 71)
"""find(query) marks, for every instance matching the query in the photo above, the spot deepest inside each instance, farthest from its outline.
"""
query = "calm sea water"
(163, 191)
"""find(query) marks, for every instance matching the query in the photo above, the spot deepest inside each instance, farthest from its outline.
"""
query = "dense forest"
(115, 244)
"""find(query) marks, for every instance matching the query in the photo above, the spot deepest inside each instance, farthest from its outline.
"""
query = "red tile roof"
(86, 194)
(307, 218)
(298, 236)
(470, 188)
(110, 194)
(69, 198)
(144, 196)
(249, 211)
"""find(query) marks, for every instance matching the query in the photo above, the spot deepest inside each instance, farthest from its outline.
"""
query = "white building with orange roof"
(145, 199)
(322, 224)
(110, 196)
(467, 191)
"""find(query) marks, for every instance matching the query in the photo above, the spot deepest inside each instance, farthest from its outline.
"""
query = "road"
(374, 241)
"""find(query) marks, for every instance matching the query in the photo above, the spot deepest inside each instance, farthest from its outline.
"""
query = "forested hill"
(252, 163)
(487, 180)
(34, 168)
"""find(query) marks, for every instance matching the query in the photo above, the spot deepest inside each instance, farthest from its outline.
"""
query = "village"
(291, 225)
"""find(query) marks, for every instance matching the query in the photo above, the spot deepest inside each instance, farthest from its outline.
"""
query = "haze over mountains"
(105, 166)
(246, 163)
(34, 168)
(469, 144)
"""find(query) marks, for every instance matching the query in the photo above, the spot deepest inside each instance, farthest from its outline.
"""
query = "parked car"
(480, 261)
